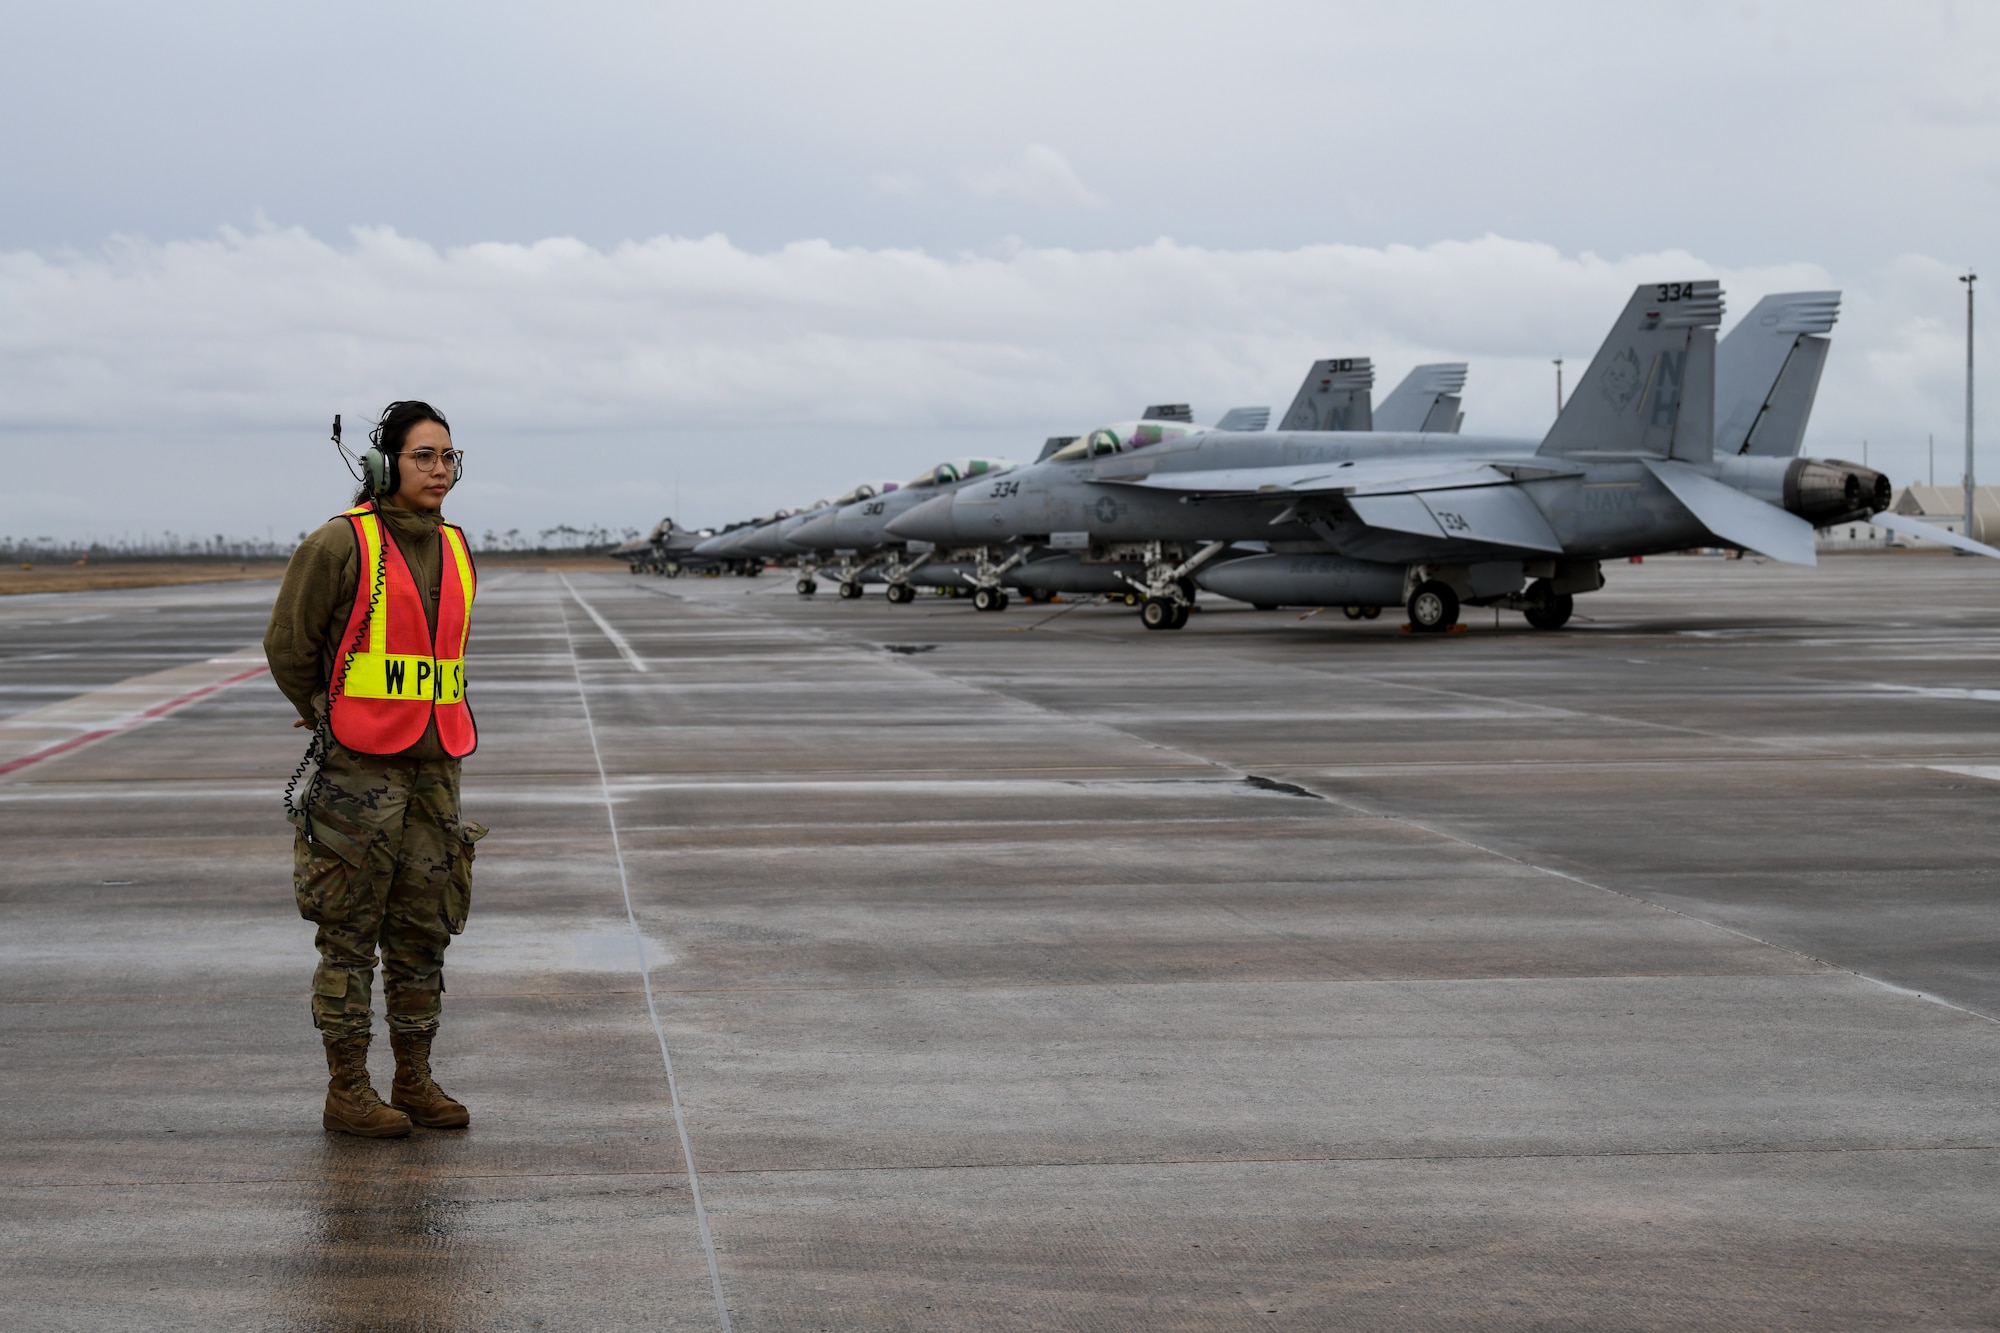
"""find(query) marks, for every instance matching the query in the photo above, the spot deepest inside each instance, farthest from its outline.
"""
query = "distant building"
(1945, 505)
(1939, 506)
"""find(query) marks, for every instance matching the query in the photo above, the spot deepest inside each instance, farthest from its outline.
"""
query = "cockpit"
(1122, 438)
(958, 469)
(865, 491)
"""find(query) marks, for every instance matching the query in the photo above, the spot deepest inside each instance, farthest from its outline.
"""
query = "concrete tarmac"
(1033, 971)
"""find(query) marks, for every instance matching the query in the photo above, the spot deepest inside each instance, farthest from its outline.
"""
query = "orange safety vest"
(391, 679)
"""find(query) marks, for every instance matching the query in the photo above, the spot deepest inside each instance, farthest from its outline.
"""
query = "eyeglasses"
(427, 459)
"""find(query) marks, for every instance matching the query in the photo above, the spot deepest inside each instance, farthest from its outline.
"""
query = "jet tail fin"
(1336, 395)
(1767, 373)
(1650, 389)
(1427, 400)
(1245, 419)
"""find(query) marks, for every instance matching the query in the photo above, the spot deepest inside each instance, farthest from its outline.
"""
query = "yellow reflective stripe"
(405, 676)
(456, 544)
(372, 557)
(451, 680)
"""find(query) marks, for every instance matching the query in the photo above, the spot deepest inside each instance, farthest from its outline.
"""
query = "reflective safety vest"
(390, 679)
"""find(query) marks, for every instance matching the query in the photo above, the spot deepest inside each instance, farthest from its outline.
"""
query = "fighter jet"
(856, 534)
(668, 549)
(727, 545)
(774, 540)
(1433, 523)
(1335, 396)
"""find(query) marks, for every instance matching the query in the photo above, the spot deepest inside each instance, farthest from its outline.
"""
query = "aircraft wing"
(1916, 527)
(1364, 476)
(1735, 517)
(1451, 499)
(1497, 515)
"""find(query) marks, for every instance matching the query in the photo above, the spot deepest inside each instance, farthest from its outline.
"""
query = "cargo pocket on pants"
(326, 872)
(458, 891)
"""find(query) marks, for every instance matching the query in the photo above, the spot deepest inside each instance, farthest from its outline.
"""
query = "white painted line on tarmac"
(1942, 692)
(639, 944)
(1990, 772)
(618, 640)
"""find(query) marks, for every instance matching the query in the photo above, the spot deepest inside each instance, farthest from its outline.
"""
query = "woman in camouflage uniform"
(382, 856)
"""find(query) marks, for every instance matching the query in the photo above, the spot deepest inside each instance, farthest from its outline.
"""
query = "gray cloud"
(768, 377)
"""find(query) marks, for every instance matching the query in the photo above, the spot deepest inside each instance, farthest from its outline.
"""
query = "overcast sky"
(751, 254)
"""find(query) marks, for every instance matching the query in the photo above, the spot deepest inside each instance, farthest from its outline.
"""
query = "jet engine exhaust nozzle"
(1824, 492)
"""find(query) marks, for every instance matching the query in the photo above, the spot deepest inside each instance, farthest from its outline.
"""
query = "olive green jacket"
(318, 595)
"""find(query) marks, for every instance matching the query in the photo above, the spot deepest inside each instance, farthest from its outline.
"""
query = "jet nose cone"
(931, 521)
(764, 541)
(818, 533)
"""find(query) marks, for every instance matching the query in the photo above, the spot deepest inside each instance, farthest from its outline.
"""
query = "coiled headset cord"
(317, 748)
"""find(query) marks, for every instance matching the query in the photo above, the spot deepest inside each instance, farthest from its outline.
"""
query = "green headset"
(378, 469)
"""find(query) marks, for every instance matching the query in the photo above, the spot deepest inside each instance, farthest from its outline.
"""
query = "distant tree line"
(559, 540)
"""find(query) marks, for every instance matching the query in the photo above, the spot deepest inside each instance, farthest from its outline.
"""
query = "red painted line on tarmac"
(156, 711)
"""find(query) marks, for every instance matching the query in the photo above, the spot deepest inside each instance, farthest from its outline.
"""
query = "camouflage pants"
(390, 866)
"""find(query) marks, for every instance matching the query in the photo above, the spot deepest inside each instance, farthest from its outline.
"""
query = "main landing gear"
(807, 586)
(1433, 607)
(850, 591)
(1547, 608)
(989, 599)
(1164, 613)
(901, 594)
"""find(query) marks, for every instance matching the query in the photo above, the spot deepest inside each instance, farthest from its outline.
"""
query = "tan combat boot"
(416, 1092)
(352, 1104)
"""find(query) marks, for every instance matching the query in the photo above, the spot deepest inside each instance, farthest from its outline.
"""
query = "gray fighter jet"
(668, 549)
(1333, 397)
(855, 535)
(1433, 522)
(775, 540)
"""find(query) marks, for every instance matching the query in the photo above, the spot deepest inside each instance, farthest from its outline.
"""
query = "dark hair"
(389, 433)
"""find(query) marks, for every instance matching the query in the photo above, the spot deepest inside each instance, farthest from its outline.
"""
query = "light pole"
(1559, 386)
(1968, 279)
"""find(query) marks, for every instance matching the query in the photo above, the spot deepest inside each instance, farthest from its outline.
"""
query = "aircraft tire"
(671, 571)
(850, 591)
(1353, 612)
(1182, 611)
(986, 599)
(1433, 608)
(1161, 613)
(899, 593)
(807, 587)
(1548, 609)
(1371, 613)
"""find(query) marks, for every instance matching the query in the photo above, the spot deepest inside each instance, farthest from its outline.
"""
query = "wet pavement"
(1032, 970)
